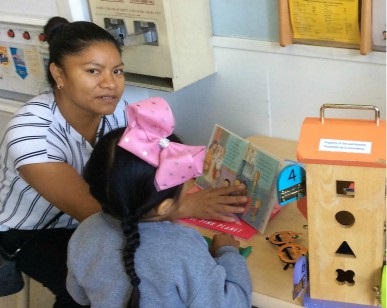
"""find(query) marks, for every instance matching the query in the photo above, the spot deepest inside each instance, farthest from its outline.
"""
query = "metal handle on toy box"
(351, 106)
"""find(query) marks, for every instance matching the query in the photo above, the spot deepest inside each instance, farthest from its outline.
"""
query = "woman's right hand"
(214, 203)
(220, 240)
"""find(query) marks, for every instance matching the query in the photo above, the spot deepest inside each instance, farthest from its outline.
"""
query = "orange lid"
(344, 142)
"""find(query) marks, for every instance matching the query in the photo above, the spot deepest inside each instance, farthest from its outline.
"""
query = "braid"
(130, 230)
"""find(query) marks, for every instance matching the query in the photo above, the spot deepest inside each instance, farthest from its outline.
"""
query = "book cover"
(230, 160)
(239, 228)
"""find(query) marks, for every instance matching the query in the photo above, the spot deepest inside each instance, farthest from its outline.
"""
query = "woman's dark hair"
(68, 38)
(124, 185)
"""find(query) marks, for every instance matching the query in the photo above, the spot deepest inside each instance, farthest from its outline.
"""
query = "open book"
(229, 160)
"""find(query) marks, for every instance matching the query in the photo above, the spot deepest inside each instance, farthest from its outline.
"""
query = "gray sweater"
(173, 263)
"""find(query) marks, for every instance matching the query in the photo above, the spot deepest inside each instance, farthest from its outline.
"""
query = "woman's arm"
(61, 185)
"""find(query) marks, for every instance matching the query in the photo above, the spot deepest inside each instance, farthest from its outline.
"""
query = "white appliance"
(23, 51)
(166, 44)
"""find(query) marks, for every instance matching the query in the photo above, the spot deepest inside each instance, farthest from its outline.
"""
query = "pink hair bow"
(150, 122)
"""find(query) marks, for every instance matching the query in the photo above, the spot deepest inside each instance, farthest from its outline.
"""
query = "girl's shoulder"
(95, 229)
(99, 222)
(167, 227)
(172, 233)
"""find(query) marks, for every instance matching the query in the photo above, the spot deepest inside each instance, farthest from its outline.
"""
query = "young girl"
(138, 177)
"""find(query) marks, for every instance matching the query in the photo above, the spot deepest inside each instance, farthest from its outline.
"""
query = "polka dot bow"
(150, 122)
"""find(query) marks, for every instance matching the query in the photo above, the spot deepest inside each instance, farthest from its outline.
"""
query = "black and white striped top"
(38, 133)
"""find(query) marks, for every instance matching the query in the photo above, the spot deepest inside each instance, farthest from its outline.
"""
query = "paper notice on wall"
(325, 20)
(23, 68)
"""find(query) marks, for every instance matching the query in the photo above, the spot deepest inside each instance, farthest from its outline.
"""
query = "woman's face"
(92, 81)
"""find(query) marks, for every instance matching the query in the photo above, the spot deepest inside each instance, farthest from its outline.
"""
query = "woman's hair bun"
(52, 27)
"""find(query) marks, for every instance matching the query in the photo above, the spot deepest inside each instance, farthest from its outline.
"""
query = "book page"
(231, 160)
(258, 174)
(325, 20)
(224, 156)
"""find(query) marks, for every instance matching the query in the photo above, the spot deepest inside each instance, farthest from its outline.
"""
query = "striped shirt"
(38, 133)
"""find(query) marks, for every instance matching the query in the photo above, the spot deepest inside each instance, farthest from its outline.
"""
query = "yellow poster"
(325, 20)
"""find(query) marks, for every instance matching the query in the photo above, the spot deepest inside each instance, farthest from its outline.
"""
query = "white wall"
(262, 88)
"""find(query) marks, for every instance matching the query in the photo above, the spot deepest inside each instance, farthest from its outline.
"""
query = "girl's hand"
(213, 203)
(222, 239)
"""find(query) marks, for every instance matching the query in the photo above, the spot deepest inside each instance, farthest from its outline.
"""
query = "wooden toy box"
(345, 163)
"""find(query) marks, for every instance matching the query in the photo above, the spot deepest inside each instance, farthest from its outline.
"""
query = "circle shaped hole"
(345, 218)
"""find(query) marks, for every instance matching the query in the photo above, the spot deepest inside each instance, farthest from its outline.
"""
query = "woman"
(49, 140)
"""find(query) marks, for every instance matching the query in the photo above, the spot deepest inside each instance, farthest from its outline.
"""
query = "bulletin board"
(334, 23)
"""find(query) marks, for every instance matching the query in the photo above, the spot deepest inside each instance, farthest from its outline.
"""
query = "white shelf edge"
(342, 54)
(22, 19)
